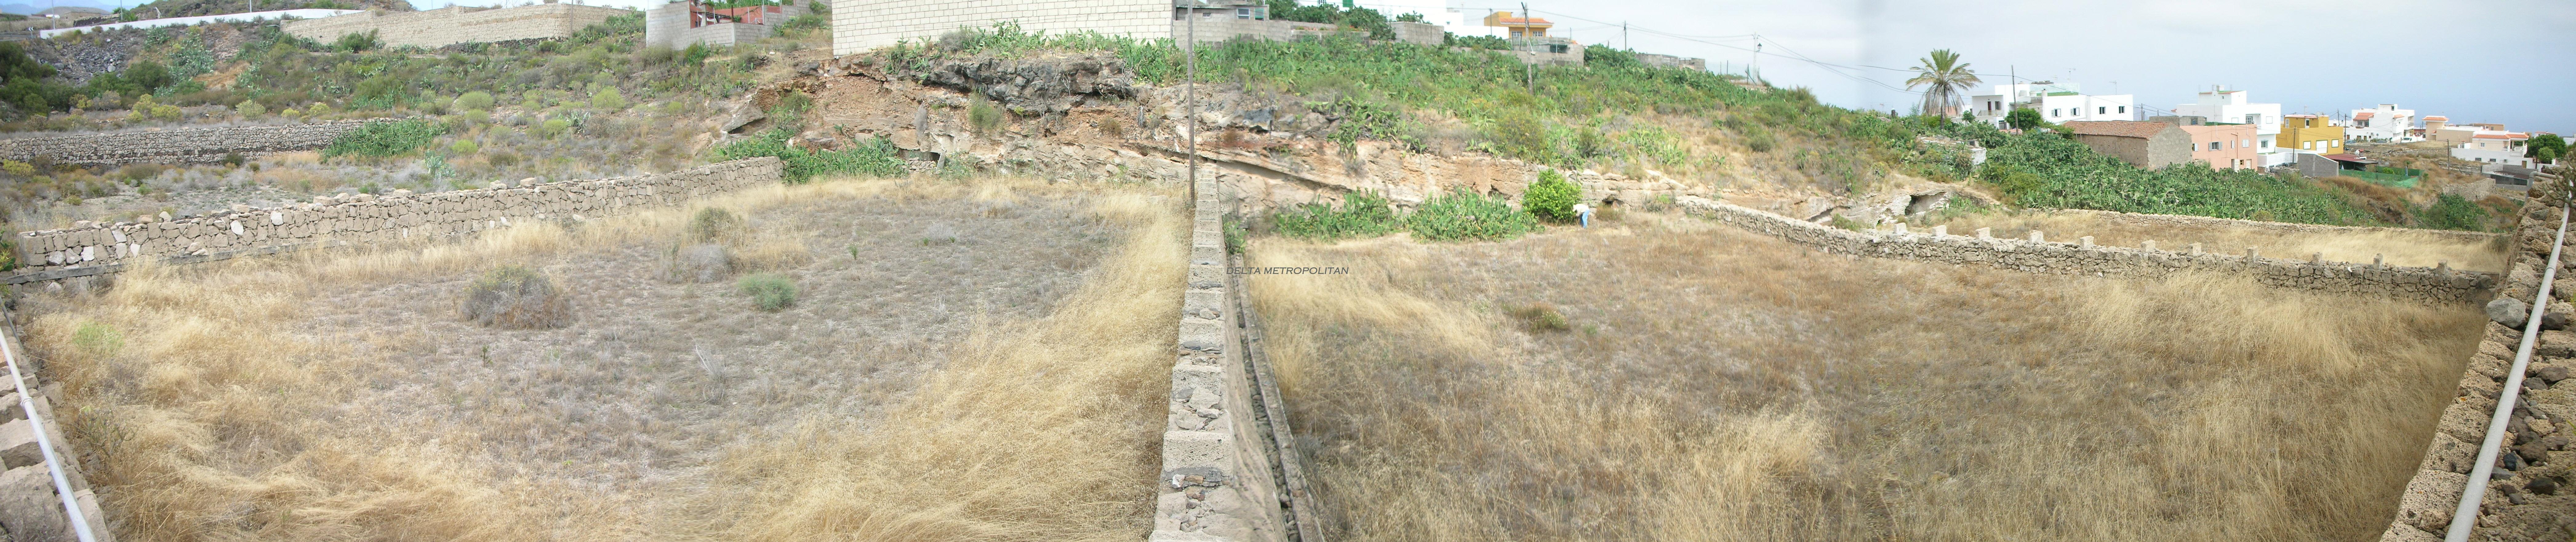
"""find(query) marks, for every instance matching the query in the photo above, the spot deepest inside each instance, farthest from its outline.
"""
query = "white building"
(2495, 147)
(1451, 15)
(2231, 106)
(2056, 102)
(2385, 123)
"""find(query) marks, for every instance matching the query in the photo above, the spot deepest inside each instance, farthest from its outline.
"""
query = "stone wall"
(1216, 482)
(2080, 256)
(177, 145)
(365, 219)
(2283, 227)
(860, 25)
(457, 24)
(2525, 497)
(32, 509)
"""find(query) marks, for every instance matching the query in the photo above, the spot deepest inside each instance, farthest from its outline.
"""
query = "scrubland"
(1666, 379)
(977, 359)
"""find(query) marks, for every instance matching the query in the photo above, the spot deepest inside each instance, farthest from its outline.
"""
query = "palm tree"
(1945, 78)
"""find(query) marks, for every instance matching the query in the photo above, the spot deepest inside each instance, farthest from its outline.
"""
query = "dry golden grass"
(1719, 385)
(2399, 247)
(220, 410)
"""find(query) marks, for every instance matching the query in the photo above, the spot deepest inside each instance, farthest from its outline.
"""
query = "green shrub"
(2452, 212)
(553, 127)
(8, 251)
(1552, 197)
(769, 291)
(475, 101)
(1361, 214)
(1468, 216)
(385, 138)
(249, 109)
(464, 147)
(876, 157)
(712, 224)
(17, 168)
(358, 42)
(608, 99)
(982, 116)
(97, 340)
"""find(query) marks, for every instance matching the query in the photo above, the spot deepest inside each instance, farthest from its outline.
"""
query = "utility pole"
(1623, 37)
(1190, 47)
(1529, 71)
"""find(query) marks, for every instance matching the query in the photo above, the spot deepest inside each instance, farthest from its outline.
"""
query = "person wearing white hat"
(1584, 212)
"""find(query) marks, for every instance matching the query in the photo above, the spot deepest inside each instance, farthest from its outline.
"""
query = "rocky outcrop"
(1037, 85)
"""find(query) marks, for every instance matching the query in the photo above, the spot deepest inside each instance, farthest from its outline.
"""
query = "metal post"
(44, 443)
(2466, 517)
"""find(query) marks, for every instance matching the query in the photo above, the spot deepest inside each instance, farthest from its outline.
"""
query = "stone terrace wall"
(2286, 227)
(2439, 285)
(457, 24)
(364, 219)
(175, 146)
(1216, 482)
(2525, 498)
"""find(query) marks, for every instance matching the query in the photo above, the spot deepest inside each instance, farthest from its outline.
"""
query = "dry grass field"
(2418, 248)
(1666, 379)
(964, 360)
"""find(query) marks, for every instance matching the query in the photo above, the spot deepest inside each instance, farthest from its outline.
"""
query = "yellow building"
(2310, 133)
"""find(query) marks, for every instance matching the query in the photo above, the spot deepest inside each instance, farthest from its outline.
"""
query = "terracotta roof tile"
(2120, 128)
(2361, 115)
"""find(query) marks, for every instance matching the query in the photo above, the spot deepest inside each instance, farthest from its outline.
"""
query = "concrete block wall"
(2074, 256)
(860, 25)
(1216, 482)
(366, 219)
(177, 145)
(457, 24)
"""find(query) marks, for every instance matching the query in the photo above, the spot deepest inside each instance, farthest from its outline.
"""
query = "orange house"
(2222, 145)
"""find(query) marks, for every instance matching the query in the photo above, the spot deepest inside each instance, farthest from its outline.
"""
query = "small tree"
(2546, 147)
(358, 42)
(2024, 118)
(1552, 197)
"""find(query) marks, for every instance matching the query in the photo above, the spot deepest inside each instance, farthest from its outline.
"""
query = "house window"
(2213, 145)
(2124, 109)
(1243, 13)
(2056, 112)
(2101, 110)
(2310, 145)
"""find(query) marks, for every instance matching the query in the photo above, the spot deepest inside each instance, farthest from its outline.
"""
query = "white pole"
(2466, 517)
(53, 463)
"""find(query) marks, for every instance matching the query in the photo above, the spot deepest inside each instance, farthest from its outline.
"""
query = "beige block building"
(457, 24)
(860, 25)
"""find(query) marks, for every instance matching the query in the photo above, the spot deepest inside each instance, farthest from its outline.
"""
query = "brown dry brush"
(1728, 386)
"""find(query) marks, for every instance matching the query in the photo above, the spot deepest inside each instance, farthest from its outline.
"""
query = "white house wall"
(861, 25)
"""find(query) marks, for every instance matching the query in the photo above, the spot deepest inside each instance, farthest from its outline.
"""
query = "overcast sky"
(2473, 61)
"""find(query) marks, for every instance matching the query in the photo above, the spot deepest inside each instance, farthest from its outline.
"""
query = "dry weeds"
(2399, 247)
(1004, 386)
(1720, 385)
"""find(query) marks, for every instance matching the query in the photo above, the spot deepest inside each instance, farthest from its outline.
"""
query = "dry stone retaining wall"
(1216, 483)
(176, 146)
(2526, 497)
(365, 219)
(2439, 285)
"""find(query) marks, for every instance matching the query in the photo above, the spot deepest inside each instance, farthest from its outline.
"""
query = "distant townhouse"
(2220, 105)
(2056, 103)
(2384, 124)
(2148, 145)
(2310, 133)
(2221, 145)
(2490, 146)
(2432, 123)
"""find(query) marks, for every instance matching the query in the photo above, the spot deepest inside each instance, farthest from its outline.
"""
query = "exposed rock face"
(1042, 85)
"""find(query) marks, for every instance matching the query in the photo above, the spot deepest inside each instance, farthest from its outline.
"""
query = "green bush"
(553, 127)
(8, 252)
(1468, 216)
(2452, 212)
(385, 138)
(1538, 317)
(1361, 214)
(358, 42)
(876, 157)
(464, 147)
(712, 224)
(250, 109)
(608, 99)
(475, 101)
(769, 291)
(1552, 197)
(982, 116)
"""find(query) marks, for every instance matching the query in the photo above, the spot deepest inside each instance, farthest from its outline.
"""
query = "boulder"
(2551, 374)
(2508, 311)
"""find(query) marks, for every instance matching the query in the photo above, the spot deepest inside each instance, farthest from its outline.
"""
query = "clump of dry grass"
(516, 297)
(2398, 247)
(326, 396)
(1739, 388)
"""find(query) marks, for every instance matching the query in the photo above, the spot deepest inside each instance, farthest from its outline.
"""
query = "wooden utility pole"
(1529, 70)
